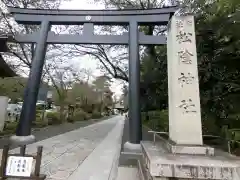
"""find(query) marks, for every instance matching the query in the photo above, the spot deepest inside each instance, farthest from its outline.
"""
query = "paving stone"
(63, 154)
(47, 159)
(60, 175)
(100, 163)
(74, 152)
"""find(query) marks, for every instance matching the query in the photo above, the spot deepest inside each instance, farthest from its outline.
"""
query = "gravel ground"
(50, 131)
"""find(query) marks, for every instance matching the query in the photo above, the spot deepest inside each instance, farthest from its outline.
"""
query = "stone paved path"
(64, 153)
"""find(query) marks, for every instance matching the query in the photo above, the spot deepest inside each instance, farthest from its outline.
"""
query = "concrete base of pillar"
(133, 148)
(189, 149)
(22, 140)
(174, 148)
(160, 163)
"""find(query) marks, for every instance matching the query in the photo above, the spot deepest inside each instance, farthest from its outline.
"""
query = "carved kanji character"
(187, 106)
(185, 57)
(184, 37)
(179, 24)
(185, 79)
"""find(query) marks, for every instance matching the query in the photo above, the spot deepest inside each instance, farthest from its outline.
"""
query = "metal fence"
(228, 142)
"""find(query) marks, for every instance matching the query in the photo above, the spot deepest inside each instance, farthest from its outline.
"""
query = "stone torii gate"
(87, 18)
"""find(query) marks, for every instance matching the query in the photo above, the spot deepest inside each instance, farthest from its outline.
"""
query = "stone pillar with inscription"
(185, 128)
(184, 102)
(184, 156)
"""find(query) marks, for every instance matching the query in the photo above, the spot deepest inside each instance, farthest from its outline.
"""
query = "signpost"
(20, 165)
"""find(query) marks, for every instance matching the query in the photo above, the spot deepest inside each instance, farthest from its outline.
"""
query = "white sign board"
(19, 166)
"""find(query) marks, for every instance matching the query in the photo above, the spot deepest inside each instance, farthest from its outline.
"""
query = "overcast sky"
(85, 62)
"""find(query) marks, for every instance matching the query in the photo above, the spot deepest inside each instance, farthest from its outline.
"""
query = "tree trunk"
(62, 112)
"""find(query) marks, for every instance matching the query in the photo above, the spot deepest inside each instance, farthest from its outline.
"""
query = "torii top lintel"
(159, 16)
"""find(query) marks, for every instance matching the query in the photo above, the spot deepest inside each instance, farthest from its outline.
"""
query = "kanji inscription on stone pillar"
(184, 101)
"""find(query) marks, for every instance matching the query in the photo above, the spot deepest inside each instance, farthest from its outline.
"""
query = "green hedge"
(80, 115)
(158, 120)
(39, 123)
(96, 115)
(9, 128)
(53, 118)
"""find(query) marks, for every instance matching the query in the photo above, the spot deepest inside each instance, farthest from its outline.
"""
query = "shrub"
(70, 119)
(88, 116)
(11, 126)
(158, 120)
(80, 115)
(53, 118)
(96, 115)
(87, 108)
(7, 132)
(39, 114)
(39, 123)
